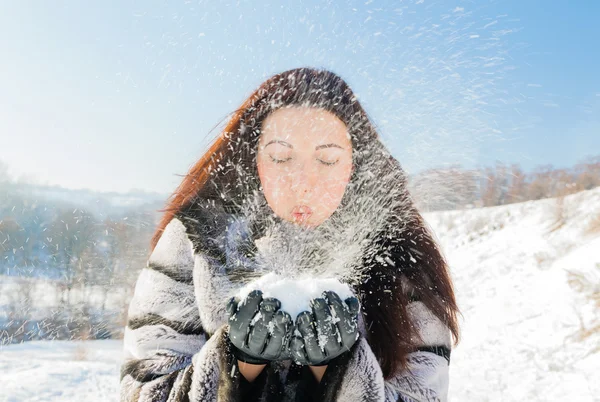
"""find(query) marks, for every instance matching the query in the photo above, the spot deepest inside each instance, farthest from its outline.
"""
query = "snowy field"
(60, 371)
(526, 278)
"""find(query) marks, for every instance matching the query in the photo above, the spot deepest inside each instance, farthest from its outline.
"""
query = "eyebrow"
(287, 144)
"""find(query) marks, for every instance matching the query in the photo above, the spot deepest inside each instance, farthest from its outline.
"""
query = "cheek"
(335, 186)
(273, 182)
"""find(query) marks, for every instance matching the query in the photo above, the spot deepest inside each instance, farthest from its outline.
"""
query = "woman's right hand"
(258, 330)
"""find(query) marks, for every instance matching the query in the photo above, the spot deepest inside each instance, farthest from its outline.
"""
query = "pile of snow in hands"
(295, 294)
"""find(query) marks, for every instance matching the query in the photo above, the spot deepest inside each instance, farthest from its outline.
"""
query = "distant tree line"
(82, 265)
(458, 188)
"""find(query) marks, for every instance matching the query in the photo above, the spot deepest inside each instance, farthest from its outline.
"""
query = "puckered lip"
(301, 209)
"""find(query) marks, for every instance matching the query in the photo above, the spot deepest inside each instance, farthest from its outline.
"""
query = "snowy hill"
(516, 270)
(527, 278)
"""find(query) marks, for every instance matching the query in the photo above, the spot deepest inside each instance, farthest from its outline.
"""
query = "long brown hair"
(390, 331)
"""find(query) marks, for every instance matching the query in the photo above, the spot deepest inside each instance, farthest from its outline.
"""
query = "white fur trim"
(144, 341)
(156, 293)
(174, 248)
(363, 380)
(427, 379)
(213, 289)
(205, 379)
(432, 331)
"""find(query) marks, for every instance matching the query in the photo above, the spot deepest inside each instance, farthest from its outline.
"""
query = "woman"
(299, 184)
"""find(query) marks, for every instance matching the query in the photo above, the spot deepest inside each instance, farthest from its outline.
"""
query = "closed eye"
(279, 160)
(328, 163)
(285, 160)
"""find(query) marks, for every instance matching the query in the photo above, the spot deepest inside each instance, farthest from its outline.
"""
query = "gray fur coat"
(176, 346)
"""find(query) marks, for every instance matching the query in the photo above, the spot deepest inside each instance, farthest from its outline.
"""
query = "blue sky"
(118, 95)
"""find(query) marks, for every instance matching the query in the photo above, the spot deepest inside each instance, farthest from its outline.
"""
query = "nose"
(303, 179)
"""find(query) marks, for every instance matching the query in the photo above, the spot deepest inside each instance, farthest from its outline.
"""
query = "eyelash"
(283, 161)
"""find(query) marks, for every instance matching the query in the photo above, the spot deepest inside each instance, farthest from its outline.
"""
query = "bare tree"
(443, 189)
(495, 186)
(588, 173)
(71, 233)
(12, 241)
(518, 185)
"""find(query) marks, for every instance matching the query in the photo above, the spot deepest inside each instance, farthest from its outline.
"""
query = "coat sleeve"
(359, 376)
(427, 378)
(168, 355)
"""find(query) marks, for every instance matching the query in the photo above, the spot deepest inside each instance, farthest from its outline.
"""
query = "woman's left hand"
(330, 330)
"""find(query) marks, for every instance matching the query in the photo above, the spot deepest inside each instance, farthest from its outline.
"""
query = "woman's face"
(304, 163)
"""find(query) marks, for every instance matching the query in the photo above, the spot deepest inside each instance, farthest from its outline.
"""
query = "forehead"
(294, 120)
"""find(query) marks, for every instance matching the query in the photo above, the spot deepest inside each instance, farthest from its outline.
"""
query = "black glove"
(330, 330)
(258, 330)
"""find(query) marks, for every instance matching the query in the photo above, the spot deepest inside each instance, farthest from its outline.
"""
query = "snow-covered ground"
(522, 318)
(526, 277)
(60, 371)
